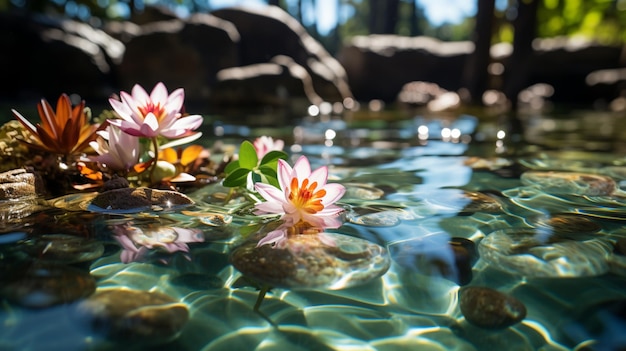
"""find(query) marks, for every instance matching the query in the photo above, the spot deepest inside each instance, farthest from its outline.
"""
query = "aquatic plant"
(67, 131)
(154, 115)
(117, 151)
(304, 199)
(254, 165)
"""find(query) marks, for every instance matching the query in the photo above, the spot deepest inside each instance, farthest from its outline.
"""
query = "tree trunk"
(476, 75)
(416, 18)
(383, 16)
(525, 28)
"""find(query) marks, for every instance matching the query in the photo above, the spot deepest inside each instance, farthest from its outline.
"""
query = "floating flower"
(264, 144)
(66, 132)
(152, 115)
(304, 198)
(116, 150)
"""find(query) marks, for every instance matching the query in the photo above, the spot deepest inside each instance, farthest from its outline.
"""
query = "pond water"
(458, 234)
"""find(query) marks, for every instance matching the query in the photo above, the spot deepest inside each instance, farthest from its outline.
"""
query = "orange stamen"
(305, 197)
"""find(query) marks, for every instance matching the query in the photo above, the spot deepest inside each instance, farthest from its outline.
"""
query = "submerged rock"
(489, 308)
(134, 315)
(41, 284)
(310, 261)
(139, 199)
(62, 248)
(571, 183)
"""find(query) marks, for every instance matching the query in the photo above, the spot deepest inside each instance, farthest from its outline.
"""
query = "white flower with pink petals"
(264, 144)
(303, 197)
(152, 115)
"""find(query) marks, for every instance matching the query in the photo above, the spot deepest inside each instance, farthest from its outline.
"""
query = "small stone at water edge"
(489, 308)
(135, 316)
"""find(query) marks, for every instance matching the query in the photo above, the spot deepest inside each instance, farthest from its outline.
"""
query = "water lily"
(66, 131)
(303, 199)
(116, 150)
(152, 115)
(264, 144)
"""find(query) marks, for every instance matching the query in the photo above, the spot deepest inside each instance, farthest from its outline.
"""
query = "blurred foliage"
(600, 20)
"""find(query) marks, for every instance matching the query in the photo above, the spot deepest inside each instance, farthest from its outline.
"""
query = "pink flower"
(303, 197)
(156, 114)
(265, 144)
(116, 150)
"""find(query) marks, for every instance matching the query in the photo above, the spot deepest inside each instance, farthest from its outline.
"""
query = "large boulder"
(565, 64)
(180, 53)
(280, 82)
(45, 56)
(378, 66)
(268, 32)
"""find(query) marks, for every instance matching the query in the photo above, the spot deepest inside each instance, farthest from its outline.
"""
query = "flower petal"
(270, 193)
(273, 237)
(334, 192)
(302, 167)
(182, 126)
(320, 176)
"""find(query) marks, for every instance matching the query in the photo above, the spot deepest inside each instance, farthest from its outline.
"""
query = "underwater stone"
(41, 284)
(489, 308)
(437, 255)
(566, 225)
(541, 253)
(134, 315)
(139, 199)
(571, 183)
(308, 261)
(63, 248)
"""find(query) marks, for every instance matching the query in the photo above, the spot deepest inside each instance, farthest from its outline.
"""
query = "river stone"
(437, 255)
(309, 261)
(18, 183)
(62, 248)
(42, 284)
(134, 315)
(489, 308)
(139, 199)
(540, 253)
(571, 183)
(568, 225)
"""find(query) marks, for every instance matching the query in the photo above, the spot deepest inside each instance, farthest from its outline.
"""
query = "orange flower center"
(157, 110)
(306, 197)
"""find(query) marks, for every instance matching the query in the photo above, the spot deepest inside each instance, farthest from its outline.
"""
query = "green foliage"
(248, 165)
(600, 20)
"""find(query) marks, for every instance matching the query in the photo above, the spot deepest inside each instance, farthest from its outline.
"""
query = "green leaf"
(273, 156)
(231, 166)
(237, 178)
(247, 155)
(272, 181)
(268, 171)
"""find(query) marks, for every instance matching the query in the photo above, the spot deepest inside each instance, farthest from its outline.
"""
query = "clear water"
(546, 240)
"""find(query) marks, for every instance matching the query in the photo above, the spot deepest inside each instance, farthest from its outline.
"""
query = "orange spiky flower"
(65, 132)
